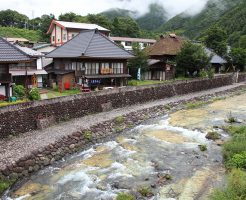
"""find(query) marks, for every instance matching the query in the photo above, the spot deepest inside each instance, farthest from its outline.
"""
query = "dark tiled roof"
(169, 45)
(90, 44)
(10, 53)
(216, 59)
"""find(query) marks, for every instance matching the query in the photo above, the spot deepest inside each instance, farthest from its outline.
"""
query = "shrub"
(5, 184)
(210, 73)
(19, 91)
(203, 147)
(119, 120)
(231, 119)
(34, 94)
(233, 149)
(238, 160)
(236, 188)
(145, 191)
(203, 74)
(213, 135)
(88, 135)
(124, 196)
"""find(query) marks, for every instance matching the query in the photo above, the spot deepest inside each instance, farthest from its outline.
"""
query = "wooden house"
(161, 55)
(61, 31)
(90, 57)
(10, 55)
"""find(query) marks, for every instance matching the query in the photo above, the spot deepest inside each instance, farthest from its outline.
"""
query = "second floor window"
(128, 44)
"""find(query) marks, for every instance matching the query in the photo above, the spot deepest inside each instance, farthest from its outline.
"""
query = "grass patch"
(231, 119)
(235, 189)
(6, 103)
(195, 104)
(54, 94)
(124, 196)
(145, 191)
(213, 135)
(5, 184)
(31, 35)
(234, 150)
(151, 82)
(167, 107)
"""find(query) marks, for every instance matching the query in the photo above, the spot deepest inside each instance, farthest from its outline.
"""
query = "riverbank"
(21, 156)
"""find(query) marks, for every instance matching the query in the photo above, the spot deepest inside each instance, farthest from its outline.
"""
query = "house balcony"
(5, 78)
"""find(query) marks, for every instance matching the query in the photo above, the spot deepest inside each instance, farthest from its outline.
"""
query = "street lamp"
(83, 75)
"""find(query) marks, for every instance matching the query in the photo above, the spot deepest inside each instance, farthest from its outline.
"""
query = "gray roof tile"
(10, 53)
(91, 44)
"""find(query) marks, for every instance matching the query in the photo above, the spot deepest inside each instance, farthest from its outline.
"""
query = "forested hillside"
(229, 15)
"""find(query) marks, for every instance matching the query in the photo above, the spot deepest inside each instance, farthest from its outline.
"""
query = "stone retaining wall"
(24, 117)
(78, 141)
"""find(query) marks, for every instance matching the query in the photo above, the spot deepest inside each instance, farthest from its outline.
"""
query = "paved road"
(13, 149)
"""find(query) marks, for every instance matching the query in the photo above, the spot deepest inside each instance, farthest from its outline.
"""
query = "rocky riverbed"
(161, 156)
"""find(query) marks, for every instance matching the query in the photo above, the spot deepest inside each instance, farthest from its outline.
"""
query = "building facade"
(127, 43)
(91, 59)
(10, 56)
(61, 32)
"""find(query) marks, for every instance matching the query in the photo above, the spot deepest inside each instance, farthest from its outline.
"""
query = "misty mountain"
(192, 26)
(118, 12)
(154, 18)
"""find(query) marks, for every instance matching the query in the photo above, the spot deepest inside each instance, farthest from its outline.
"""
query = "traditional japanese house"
(9, 56)
(61, 31)
(29, 74)
(217, 62)
(90, 57)
(161, 55)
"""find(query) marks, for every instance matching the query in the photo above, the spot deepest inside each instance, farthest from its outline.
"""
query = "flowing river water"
(161, 154)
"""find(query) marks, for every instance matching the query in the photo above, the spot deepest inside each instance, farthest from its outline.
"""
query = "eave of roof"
(82, 43)
(21, 57)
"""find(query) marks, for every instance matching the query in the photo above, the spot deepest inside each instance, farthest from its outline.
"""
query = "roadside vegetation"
(234, 152)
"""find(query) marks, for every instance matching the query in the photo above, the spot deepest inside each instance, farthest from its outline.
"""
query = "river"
(162, 154)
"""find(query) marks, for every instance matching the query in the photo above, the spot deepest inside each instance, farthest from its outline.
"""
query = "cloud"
(83, 7)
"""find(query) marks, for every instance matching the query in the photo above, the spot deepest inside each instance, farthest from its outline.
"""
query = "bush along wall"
(21, 118)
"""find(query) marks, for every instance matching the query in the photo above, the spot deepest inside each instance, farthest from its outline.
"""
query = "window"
(128, 44)
(64, 37)
(91, 68)
(74, 66)
(117, 68)
(53, 38)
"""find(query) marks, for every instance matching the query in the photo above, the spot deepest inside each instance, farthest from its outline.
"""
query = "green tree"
(139, 61)
(125, 27)
(242, 42)
(100, 19)
(238, 56)
(192, 58)
(72, 17)
(13, 18)
(216, 39)
(45, 24)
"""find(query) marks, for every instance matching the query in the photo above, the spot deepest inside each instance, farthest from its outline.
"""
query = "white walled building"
(60, 31)
(128, 42)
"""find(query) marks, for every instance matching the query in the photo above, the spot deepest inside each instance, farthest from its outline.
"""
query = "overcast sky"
(38, 7)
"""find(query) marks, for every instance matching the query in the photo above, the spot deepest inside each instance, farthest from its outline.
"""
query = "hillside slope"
(20, 33)
(192, 26)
